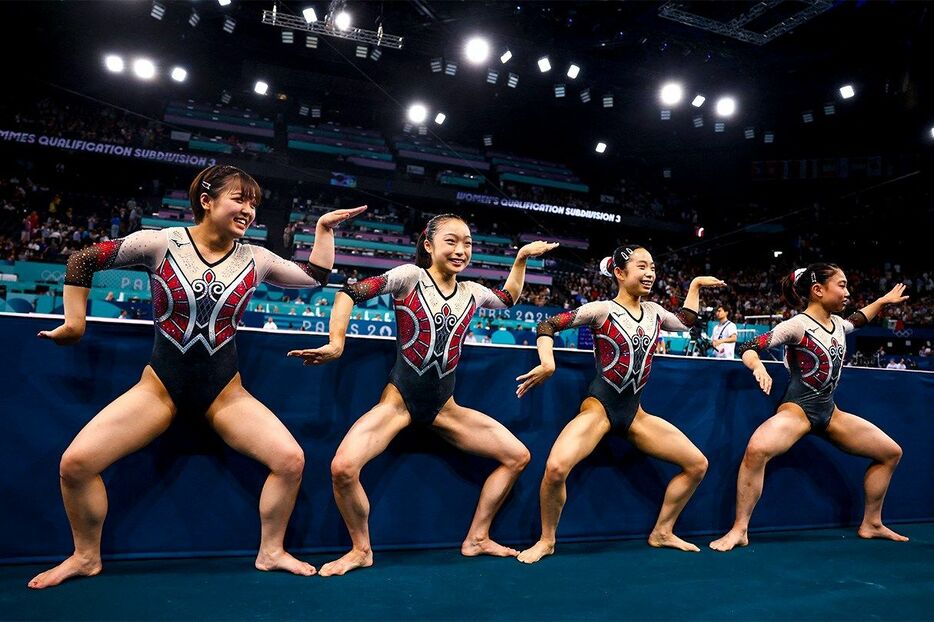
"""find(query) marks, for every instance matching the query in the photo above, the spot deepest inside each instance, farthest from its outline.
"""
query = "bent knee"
(696, 469)
(894, 454)
(757, 454)
(343, 470)
(289, 463)
(519, 459)
(76, 467)
(556, 471)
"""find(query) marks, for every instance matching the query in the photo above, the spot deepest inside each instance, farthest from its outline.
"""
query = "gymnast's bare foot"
(351, 561)
(732, 539)
(74, 566)
(281, 560)
(669, 540)
(879, 530)
(537, 551)
(473, 546)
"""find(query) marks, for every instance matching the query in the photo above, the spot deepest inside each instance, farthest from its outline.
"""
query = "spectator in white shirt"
(270, 325)
(724, 333)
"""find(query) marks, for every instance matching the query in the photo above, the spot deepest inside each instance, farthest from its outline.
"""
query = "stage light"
(158, 10)
(194, 18)
(310, 15)
(144, 68)
(342, 21)
(260, 88)
(698, 101)
(113, 63)
(573, 71)
(726, 106)
(600, 148)
(847, 91)
(671, 94)
(505, 57)
(229, 25)
(544, 65)
(512, 81)
(288, 36)
(492, 76)
(223, 2)
(179, 74)
(585, 95)
(417, 113)
(440, 118)
(559, 90)
(477, 50)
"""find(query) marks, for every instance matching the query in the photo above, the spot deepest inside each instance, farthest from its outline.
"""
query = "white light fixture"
(600, 148)
(505, 57)
(417, 113)
(492, 76)
(573, 71)
(194, 18)
(847, 91)
(477, 50)
(288, 36)
(310, 15)
(698, 101)
(544, 64)
(158, 10)
(229, 25)
(671, 93)
(607, 101)
(342, 21)
(440, 117)
(726, 106)
(260, 88)
(179, 74)
(113, 63)
(144, 69)
(932, 132)
(223, 2)
(512, 81)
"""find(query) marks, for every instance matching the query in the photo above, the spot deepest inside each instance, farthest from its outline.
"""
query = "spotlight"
(492, 76)
(311, 41)
(559, 90)
(288, 36)
(512, 81)
(698, 101)
(362, 51)
(229, 25)
(600, 148)
(585, 95)
(607, 101)
(726, 106)
(477, 50)
(573, 71)
(671, 94)
(144, 69)
(450, 68)
(179, 74)
(505, 57)
(158, 10)
(847, 91)
(260, 88)
(932, 132)
(310, 15)
(440, 117)
(113, 63)
(375, 54)
(194, 18)
(437, 65)
(544, 65)
(417, 113)
(342, 21)
(223, 2)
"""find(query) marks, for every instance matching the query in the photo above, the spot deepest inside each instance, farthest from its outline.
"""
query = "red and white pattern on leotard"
(818, 363)
(431, 340)
(625, 359)
(233, 302)
(172, 302)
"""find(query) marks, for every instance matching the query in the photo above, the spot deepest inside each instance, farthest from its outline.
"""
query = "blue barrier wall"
(188, 494)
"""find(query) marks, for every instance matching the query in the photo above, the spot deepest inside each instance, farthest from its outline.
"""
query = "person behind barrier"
(626, 333)
(433, 314)
(724, 333)
(202, 278)
(815, 346)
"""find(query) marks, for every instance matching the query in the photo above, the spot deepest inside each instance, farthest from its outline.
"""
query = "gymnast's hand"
(895, 296)
(64, 335)
(534, 249)
(763, 378)
(707, 281)
(533, 378)
(332, 219)
(319, 356)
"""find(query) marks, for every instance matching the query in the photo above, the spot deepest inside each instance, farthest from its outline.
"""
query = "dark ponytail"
(422, 256)
(796, 286)
(618, 259)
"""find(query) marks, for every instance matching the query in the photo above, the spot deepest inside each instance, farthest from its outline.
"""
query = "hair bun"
(606, 266)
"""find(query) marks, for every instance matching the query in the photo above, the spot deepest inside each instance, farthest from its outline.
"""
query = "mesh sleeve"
(587, 315)
(398, 281)
(787, 332)
(682, 319)
(855, 321)
(285, 273)
(491, 298)
(143, 248)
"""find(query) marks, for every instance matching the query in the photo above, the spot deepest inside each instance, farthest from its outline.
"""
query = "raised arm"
(322, 254)
(870, 311)
(516, 280)
(143, 248)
